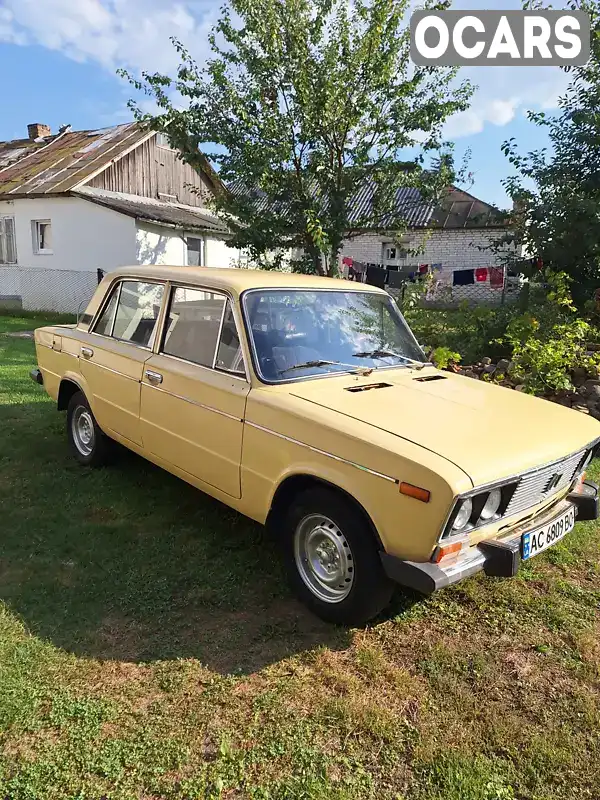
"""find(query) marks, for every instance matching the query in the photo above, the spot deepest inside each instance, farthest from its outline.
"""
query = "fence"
(457, 287)
(33, 289)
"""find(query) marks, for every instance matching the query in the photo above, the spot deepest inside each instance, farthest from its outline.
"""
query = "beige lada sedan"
(307, 404)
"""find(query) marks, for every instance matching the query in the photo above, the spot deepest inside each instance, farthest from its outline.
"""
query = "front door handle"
(87, 352)
(153, 377)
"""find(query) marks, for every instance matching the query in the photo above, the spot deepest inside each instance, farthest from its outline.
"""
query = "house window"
(42, 236)
(390, 253)
(162, 140)
(8, 246)
(195, 252)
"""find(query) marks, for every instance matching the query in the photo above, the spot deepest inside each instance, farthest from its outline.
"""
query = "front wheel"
(333, 560)
(88, 443)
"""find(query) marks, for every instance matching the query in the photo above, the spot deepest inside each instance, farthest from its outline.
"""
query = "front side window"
(131, 313)
(8, 247)
(302, 333)
(193, 325)
(42, 236)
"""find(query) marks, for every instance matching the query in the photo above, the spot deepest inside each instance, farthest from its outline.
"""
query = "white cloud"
(135, 34)
(504, 92)
(112, 33)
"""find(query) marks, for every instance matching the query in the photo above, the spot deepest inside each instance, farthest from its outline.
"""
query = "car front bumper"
(497, 557)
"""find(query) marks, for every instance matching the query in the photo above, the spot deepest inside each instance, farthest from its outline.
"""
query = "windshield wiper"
(388, 354)
(323, 363)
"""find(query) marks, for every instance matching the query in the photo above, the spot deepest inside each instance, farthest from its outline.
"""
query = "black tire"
(80, 423)
(370, 589)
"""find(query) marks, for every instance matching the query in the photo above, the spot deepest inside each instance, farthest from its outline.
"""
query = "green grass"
(149, 648)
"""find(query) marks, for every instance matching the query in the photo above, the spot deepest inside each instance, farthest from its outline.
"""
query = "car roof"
(238, 280)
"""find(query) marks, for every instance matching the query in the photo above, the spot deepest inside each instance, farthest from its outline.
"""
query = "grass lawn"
(149, 648)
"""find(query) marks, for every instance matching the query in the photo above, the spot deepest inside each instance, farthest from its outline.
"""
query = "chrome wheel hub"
(323, 558)
(82, 428)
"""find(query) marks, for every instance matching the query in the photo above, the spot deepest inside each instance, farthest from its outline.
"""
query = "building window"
(42, 236)
(162, 140)
(8, 245)
(195, 251)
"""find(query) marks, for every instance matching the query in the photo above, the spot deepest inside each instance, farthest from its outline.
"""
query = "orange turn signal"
(446, 550)
(415, 491)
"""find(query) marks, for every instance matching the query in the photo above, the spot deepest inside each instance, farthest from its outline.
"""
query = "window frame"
(252, 346)
(3, 263)
(163, 146)
(202, 251)
(228, 299)
(118, 285)
(37, 250)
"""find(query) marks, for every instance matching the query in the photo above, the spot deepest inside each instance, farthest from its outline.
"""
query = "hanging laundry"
(481, 274)
(436, 267)
(496, 277)
(423, 268)
(376, 276)
(347, 260)
(463, 277)
(396, 279)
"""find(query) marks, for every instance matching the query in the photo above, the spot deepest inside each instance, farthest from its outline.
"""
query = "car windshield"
(301, 333)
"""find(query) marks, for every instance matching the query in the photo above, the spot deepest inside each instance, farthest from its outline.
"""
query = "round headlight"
(463, 515)
(492, 504)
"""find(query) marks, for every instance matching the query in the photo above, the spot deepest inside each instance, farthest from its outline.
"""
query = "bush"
(545, 343)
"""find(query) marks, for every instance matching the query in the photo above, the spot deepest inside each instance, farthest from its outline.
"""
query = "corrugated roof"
(61, 162)
(157, 211)
(457, 209)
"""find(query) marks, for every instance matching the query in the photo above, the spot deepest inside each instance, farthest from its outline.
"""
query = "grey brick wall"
(452, 248)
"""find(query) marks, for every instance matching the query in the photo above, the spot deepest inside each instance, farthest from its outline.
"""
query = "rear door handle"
(154, 377)
(87, 352)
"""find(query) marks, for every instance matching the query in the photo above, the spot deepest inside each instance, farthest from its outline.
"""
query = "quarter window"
(229, 354)
(132, 313)
(193, 325)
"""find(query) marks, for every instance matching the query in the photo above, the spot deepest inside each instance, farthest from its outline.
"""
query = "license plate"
(533, 542)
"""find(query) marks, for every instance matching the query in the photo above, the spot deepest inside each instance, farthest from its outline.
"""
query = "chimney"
(37, 130)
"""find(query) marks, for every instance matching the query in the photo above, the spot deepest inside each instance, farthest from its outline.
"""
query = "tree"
(303, 103)
(556, 191)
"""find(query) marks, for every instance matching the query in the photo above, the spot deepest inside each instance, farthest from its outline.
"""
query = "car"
(307, 404)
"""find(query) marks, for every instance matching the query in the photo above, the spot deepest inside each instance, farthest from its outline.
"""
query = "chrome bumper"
(498, 557)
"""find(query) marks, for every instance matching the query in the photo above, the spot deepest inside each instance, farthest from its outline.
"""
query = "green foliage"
(555, 191)
(302, 103)
(443, 357)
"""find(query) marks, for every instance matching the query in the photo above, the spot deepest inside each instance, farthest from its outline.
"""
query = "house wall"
(85, 237)
(466, 247)
(156, 244)
(150, 171)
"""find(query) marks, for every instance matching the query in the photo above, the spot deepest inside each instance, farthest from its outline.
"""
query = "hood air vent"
(366, 387)
(431, 378)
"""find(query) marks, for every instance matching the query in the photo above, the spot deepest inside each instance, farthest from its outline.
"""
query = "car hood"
(488, 431)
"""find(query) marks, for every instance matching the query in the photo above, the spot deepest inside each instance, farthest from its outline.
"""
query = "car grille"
(535, 487)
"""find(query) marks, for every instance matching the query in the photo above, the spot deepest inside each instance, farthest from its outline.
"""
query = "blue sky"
(61, 57)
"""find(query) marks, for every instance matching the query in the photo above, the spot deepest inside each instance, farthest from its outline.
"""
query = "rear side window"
(132, 313)
(193, 325)
(105, 322)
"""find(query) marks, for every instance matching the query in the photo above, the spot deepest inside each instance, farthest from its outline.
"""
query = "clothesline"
(379, 275)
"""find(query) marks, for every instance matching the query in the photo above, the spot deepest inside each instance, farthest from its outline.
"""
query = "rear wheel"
(89, 445)
(333, 559)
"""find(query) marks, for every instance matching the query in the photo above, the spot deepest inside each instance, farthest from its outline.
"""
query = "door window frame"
(159, 341)
(117, 285)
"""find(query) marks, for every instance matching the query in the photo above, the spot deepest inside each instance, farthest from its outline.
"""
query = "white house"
(77, 202)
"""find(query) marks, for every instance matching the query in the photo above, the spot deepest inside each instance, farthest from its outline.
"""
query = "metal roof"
(61, 162)
(156, 211)
(457, 209)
